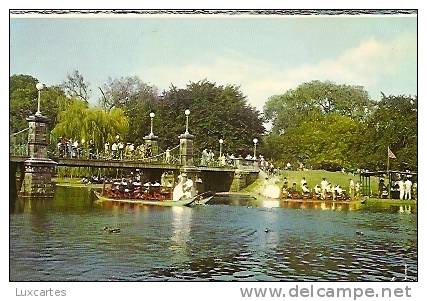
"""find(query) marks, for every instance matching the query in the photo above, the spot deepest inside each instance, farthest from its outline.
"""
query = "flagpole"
(388, 172)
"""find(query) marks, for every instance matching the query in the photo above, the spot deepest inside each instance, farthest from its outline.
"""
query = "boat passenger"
(305, 188)
(303, 182)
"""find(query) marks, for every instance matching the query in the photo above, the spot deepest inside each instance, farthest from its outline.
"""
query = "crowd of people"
(71, 148)
(136, 187)
(267, 167)
(406, 189)
(325, 190)
(117, 150)
(208, 159)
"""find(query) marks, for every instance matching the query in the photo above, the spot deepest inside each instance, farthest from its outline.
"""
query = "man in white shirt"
(168, 156)
(401, 185)
(317, 190)
(106, 149)
(114, 150)
(303, 182)
(121, 149)
(131, 150)
(357, 189)
(324, 187)
(305, 188)
(351, 188)
(408, 189)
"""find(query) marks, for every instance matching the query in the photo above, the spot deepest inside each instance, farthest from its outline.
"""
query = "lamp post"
(39, 87)
(255, 143)
(221, 141)
(152, 116)
(187, 113)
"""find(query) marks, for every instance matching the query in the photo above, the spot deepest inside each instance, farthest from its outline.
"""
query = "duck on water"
(111, 230)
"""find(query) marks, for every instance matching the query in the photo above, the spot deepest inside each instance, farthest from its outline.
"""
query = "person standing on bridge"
(114, 150)
(76, 149)
(211, 157)
(205, 156)
(106, 150)
(168, 156)
(222, 160)
(131, 150)
(91, 149)
(121, 150)
(127, 150)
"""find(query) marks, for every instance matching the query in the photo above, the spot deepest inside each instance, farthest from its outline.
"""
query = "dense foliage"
(23, 101)
(330, 126)
(320, 124)
(78, 121)
(216, 112)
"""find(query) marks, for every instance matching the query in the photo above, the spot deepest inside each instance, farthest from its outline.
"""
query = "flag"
(390, 154)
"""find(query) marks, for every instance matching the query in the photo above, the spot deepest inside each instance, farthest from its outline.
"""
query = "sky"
(263, 55)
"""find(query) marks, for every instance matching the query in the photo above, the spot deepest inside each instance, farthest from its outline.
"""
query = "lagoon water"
(62, 240)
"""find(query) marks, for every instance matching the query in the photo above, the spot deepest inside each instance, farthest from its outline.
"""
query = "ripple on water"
(216, 242)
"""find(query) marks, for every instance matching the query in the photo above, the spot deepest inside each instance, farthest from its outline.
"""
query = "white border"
(197, 291)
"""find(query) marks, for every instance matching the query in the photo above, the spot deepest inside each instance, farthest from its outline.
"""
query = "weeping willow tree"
(80, 122)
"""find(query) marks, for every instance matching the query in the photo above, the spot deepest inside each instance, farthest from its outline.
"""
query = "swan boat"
(199, 199)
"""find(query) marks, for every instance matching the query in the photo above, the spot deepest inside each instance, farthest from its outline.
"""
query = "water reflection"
(181, 227)
(406, 209)
(62, 239)
(293, 204)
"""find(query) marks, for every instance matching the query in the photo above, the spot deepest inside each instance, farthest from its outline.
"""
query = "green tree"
(23, 101)
(320, 141)
(136, 98)
(393, 124)
(216, 112)
(319, 98)
(79, 122)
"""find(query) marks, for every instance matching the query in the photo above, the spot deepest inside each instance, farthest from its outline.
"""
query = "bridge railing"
(19, 147)
(18, 143)
(223, 162)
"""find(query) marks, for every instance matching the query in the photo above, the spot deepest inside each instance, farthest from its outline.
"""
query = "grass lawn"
(60, 180)
(314, 177)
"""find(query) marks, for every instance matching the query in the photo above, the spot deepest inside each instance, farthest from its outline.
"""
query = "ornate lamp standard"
(39, 168)
(151, 139)
(186, 144)
(152, 115)
(221, 141)
(39, 87)
(187, 113)
(255, 141)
